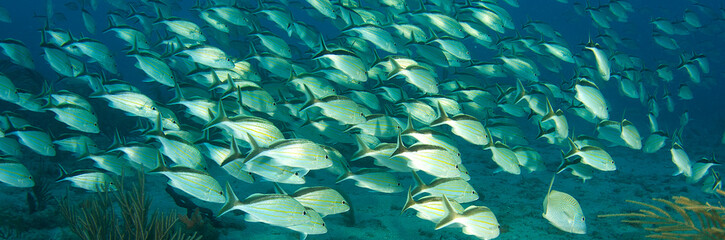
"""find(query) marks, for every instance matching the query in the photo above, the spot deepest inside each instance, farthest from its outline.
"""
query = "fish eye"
(344, 202)
(221, 193)
(327, 157)
(473, 192)
(456, 166)
(297, 174)
(323, 224)
(304, 213)
(398, 184)
(153, 108)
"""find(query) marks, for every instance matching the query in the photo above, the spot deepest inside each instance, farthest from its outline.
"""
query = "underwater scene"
(361, 119)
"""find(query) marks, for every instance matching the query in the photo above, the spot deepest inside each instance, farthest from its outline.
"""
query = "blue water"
(515, 200)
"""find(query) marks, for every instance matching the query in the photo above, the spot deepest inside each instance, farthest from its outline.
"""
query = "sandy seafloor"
(515, 200)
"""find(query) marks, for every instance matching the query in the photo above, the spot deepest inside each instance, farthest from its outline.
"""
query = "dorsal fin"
(231, 200)
(449, 212)
(160, 165)
(311, 100)
(255, 151)
(419, 184)
(234, 154)
(220, 117)
(442, 116)
(546, 199)
(278, 189)
(400, 147)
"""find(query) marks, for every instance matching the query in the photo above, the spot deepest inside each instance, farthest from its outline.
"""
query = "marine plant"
(96, 217)
(684, 218)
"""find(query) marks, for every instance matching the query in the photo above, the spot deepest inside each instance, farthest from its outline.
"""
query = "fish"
(95, 50)
(630, 135)
(655, 142)
(197, 183)
(343, 60)
(153, 66)
(430, 208)
(139, 155)
(375, 179)
(456, 188)
(563, 211)
(431, 159)
(8, 92)
(478, 221)
(274, 209)
(132, 103)
(601, 59)
(560, 122)
(17, 52)
(529, 158)
(182, 28)
(701, 168)
(323, 200)
(588, 93)
(681, 160)
(295, 153)
(337, 107)
(593, 156)
(89, 179)
(15, 174)
(209, 56)
(504, 157)
(261, 130)
(315, 226)
(378, 125)
(269, 171)
(5, 16)
(462, 125)
(34, 138)
(76, 117)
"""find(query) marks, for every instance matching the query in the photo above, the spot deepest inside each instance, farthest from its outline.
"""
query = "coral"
(687, 219)
(96, 218)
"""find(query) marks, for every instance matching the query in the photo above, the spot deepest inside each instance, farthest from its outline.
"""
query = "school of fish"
(390, 89)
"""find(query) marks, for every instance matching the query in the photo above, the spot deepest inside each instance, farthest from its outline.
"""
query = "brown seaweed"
(680, 218)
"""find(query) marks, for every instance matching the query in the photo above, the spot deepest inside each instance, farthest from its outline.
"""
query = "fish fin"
(550, 114)
(230, 200)
(278, 189)
(546, 199)
(450, 214)
(419, 184)
(347, 174)
(255, 151)
(409, 202)
(160, 165)
(442, 116)
(234, 154)
(63, 173)
(311, 100)
(400, 148)
(362, 148)
(221, 116)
